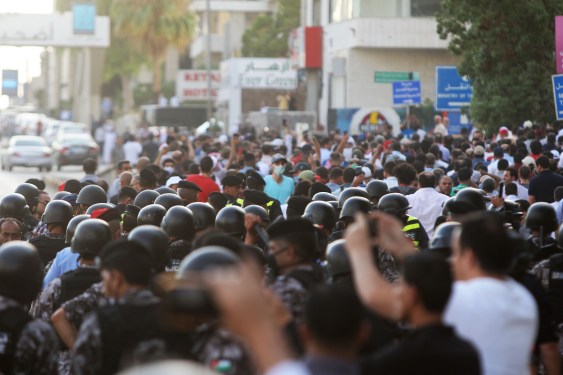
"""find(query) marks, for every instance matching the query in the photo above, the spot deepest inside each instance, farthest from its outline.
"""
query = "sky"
(25, 59)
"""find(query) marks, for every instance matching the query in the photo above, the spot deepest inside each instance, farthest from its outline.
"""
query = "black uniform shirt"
(434, 349)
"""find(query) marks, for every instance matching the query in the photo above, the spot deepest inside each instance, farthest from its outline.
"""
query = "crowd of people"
(293, 254)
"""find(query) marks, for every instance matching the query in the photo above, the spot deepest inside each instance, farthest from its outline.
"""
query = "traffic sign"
(407, 92)
(558, 95)
(390, 77)
(452, 91)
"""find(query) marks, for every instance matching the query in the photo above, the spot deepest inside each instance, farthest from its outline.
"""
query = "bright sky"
(25, 59)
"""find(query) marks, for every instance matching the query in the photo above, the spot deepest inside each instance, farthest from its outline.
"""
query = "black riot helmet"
(338, 263)
(91, 194)
(155, 240)
(145, 197)
(178, 223)
(97, 206)
(57, 212)
(13, 205)
(542, 216)
(446, 206)
(394, 204)
(321, 214)
(90, 236)
(60, 195)
(231, 221)
(354, 205)
(324, 197)
(21, 271)
(468, 200)
(204, 215)
(71, 227)
(151, 215)
(164, 190)
(442, 240)
(377, 188)
(351, 192)
(258, 211)
(169, 200)
(205, 259)
(30, 193)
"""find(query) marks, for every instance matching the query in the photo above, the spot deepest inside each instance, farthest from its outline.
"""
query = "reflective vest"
(240, 202)
(411, 229)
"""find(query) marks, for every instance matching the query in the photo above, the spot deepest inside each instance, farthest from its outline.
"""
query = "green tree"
(267, 36)
(506, 49)
(152, 26)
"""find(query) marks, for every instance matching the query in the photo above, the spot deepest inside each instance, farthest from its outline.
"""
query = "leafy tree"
(152, 26)
(267, 36)
(506, 49)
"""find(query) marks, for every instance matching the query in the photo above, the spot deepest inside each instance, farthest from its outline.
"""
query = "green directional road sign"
(390, 77)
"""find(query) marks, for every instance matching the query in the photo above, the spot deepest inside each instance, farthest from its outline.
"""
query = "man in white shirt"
(439, 127)
(132, 150)
(426, 203)
(488, 308)
(389, 174)
(511, 175)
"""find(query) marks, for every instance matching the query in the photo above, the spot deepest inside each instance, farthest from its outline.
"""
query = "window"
(425, 8)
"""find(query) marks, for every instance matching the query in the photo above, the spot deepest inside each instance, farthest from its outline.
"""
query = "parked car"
(27, 151)
(72, 149)
(68, 127)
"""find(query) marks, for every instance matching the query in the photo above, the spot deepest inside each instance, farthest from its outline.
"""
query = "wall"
(362, 91)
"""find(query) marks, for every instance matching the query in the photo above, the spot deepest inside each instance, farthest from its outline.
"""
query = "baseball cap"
(479, 150)
(301, 166)
(307, 175)
(503, 130)
(173, 180)
(528, 124)
(278, 157)
(231, 181)
(499, 152)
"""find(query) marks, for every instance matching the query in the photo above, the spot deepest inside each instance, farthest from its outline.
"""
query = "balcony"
(239, 6)
(408, 32)
(199, 45)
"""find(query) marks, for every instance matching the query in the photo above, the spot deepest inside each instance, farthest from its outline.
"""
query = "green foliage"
(506, 49)
(152, 26)
(267, 36)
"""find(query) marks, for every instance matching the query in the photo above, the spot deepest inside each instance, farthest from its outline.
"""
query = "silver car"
(27, 151)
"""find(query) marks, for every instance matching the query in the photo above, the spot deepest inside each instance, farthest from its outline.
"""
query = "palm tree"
(153, 26)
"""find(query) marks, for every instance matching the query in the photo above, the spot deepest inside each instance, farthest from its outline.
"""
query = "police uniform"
(29, 223)
(36, 348)
(221, 351)
(176, 252)
(48, 245)
(416, 232)
(62, 289)
(118, 335)
(77, 308)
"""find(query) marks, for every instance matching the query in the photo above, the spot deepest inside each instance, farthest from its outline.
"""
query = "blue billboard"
(406, 93)
(453, 92)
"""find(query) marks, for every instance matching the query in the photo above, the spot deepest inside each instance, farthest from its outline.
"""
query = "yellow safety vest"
(410, 229)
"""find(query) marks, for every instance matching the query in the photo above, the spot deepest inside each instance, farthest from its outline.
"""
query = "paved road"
(10, 180)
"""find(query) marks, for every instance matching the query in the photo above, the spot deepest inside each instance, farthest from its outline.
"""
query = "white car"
(27, 151)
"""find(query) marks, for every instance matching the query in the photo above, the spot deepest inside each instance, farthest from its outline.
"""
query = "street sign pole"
(558, 95)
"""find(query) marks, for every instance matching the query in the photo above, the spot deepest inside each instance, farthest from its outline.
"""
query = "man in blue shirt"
(278, 186)
(544, 184)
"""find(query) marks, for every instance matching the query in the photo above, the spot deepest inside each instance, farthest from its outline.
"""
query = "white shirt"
(132, 151)
(521, 194)
(500, 318)
(426, 206)
(391, 182)
(441, 129)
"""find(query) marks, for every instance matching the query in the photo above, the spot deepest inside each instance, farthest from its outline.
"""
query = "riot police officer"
(178, 223)
(169, 200)
(397, 205)
(145, 197)
(204, 216)
(30, 345)
(57, 215)
(151, 215)
(90, 236)
(541, 219)
(89, 195)
(155, 240)
(231, 221)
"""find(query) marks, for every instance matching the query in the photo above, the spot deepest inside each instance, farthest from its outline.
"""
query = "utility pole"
(208, 62)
